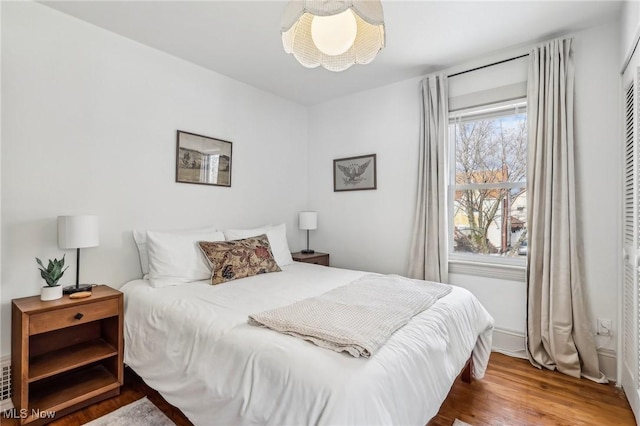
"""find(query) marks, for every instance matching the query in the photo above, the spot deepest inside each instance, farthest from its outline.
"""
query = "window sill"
(487, 270)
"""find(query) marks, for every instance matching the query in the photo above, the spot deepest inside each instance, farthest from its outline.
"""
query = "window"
(487, 184)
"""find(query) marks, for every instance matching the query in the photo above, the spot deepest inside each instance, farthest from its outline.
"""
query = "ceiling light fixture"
(335, 34)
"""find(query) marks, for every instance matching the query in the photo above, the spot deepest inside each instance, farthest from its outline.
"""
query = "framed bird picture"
(354, 173)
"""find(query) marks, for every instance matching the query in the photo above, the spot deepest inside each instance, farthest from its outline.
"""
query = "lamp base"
(75, 289)
(307, 251)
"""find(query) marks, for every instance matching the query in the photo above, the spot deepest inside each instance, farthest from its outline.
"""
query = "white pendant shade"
(308, 220)
(78, 231)
(322, 32)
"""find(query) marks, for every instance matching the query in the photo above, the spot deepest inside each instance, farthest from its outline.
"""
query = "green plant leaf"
(46, 277)
(53, 272)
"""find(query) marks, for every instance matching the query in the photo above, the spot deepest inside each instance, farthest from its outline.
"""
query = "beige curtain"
(558, 327)
(428, 258)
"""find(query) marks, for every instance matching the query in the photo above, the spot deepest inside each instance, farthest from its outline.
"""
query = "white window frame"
(469, 263)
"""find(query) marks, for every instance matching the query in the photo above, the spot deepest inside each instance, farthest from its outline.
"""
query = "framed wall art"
(203, 160)
(355, 173)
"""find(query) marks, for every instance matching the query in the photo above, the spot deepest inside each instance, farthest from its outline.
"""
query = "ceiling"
(241, 39)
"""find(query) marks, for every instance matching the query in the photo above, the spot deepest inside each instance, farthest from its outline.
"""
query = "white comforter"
(192, 343)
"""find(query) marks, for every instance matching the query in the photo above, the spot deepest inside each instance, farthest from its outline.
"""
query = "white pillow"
(140, 237)
(175, 258)
(277, 236)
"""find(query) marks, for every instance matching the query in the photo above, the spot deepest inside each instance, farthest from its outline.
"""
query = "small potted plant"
(51, 274)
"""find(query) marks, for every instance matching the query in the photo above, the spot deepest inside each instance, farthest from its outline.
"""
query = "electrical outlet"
(605, 327)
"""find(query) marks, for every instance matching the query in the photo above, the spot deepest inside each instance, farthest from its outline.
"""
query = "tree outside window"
(488, 182)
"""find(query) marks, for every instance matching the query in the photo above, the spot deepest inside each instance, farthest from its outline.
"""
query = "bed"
(192, 343)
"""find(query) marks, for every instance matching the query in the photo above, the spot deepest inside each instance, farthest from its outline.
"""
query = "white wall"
(598, 154)
(89, 126)
(629, 25)
(366, 230)
(3, 319)
(370, 230)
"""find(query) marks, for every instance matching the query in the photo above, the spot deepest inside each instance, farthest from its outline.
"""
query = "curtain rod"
(488, 65)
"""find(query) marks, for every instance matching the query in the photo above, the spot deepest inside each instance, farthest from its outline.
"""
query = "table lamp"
(308, 221)
(77, 232)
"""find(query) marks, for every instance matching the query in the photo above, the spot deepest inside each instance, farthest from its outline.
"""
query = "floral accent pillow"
(231, 260)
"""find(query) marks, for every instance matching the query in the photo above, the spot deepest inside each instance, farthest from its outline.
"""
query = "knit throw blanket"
(357, 318)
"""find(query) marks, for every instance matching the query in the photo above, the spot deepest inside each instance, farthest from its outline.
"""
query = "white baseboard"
(608, 363)
(512, 343)
(509, 342)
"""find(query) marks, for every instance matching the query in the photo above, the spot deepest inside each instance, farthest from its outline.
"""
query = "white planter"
(51, 293)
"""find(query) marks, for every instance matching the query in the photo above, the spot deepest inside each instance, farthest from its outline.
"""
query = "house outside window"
(487, 184)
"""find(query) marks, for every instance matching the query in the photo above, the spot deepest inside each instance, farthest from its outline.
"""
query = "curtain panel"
(428, 257)
(558, 326)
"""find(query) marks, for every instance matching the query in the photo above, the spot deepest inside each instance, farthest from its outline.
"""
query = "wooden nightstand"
(65, 354)
(317, 258)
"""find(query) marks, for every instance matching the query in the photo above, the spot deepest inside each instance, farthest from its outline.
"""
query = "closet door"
(630, 357)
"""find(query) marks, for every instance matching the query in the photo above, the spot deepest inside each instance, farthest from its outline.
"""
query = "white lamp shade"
(313, 47)
(78, 231)
(308, 220)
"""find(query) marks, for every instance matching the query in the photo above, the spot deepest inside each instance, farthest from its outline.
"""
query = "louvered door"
(629, 361)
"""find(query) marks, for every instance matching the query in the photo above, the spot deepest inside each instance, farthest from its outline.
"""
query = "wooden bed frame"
(467, 370)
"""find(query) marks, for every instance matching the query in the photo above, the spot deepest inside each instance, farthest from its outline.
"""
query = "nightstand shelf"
(68, 358)
(67, 390)
(66, 354)
(317, 258)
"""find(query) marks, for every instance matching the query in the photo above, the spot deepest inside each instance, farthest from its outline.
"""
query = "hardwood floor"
(513, 393)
